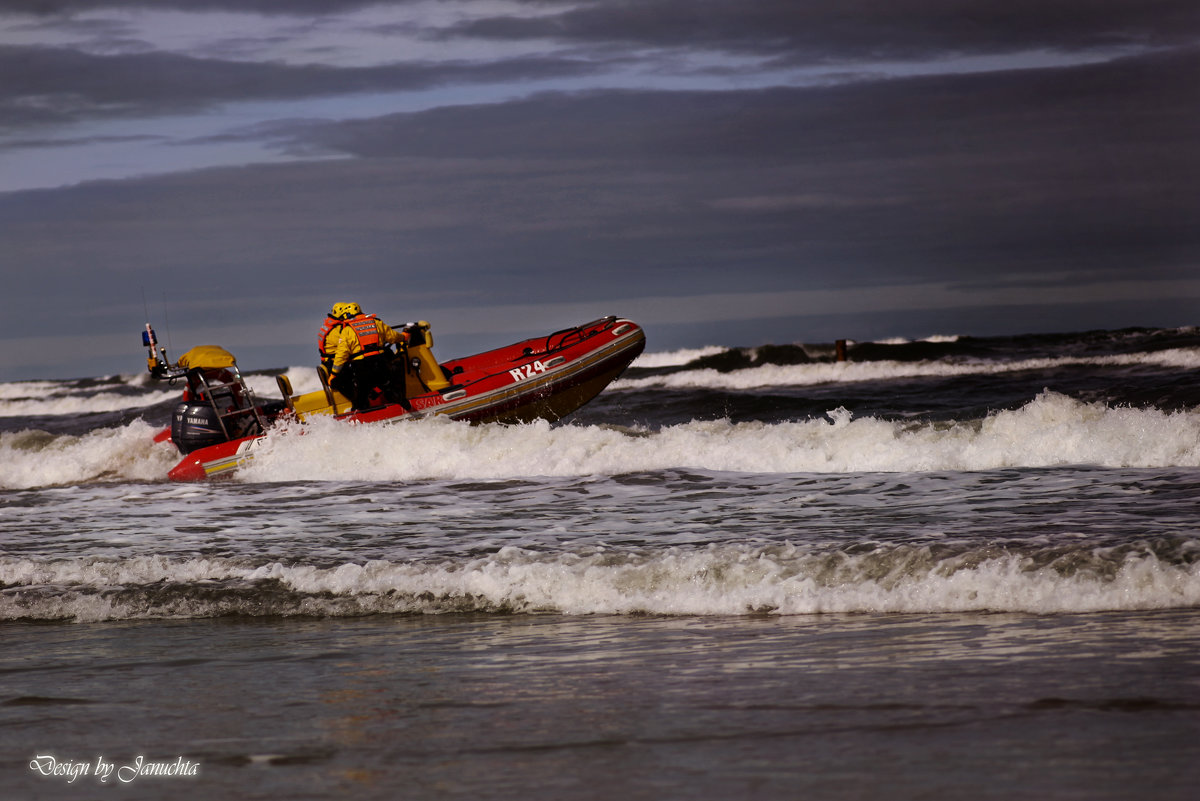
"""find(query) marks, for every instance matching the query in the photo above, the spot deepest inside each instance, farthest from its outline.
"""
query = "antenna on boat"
(167, 320)
(157, 361)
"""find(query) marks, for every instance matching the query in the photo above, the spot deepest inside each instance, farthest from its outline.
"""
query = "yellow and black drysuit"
(328, 338)
(361, 363)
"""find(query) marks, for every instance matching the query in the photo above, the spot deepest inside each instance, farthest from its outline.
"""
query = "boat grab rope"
(568, 337)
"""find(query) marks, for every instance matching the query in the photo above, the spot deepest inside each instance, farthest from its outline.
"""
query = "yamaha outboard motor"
(195, 426)
(217, 407)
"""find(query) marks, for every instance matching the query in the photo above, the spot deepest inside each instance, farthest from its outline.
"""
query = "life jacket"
(364, 328)
(331, 324)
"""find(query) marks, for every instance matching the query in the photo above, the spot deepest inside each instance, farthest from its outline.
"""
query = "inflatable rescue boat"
(219, 421)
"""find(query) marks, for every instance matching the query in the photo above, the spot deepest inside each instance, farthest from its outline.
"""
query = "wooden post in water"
(841, 350)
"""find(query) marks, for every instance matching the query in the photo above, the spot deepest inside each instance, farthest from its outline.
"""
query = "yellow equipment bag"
(207, 357)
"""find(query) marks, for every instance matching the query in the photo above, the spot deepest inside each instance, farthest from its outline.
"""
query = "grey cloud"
(106, 30)
(18, 144)
(280, 7)
(814, 31)
(1087, 171)
(838, 30)
(1120, 132)
(61, 85)
(982, 181)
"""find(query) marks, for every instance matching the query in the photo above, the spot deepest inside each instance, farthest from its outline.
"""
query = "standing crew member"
(361, 363)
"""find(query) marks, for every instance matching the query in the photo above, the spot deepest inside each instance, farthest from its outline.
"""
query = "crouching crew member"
(331, 332)
(361, 362)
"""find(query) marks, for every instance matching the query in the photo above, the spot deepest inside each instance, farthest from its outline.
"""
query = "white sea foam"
(79, 403)
(51, 398)
(1050, 430)
(20, 390)
(304, 379)
(30, 398)
(675, 358)
(769, 375)
(736, 579)
(731, 579)
(935, 338)
(37, 459)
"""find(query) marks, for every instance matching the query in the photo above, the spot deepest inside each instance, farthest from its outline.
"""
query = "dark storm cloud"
(281, 7)
(60, 85)
(1088, 170)
(802, 32)
(980, 115)
(1079, 167)
(833, 30)
(1000, 184)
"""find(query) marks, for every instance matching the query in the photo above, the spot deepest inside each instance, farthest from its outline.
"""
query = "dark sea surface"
(959, 568)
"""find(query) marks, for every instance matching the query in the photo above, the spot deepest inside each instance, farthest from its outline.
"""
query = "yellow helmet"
(343, 311)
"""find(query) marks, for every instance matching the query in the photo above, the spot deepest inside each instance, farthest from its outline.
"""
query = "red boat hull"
(545, 378)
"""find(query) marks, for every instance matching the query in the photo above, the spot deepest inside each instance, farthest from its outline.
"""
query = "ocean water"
(956, 568)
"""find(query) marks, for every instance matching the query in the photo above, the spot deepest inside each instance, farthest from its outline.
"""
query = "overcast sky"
(727, 172)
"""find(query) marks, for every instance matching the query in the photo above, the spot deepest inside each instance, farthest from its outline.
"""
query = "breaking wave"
(39, 459)
(730, 579)
(713, 367)
(121, 393)
(1051, 430)
(676, 358)
(772, 374)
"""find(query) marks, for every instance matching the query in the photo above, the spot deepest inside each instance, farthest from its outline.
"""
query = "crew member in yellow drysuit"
(361, 363)
(331, 332)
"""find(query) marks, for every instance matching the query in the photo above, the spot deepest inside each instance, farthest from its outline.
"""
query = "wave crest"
(735, 579)
(1051, 430)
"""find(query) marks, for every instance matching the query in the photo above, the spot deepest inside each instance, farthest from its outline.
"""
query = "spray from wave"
(38, 459)
(1051, 430)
